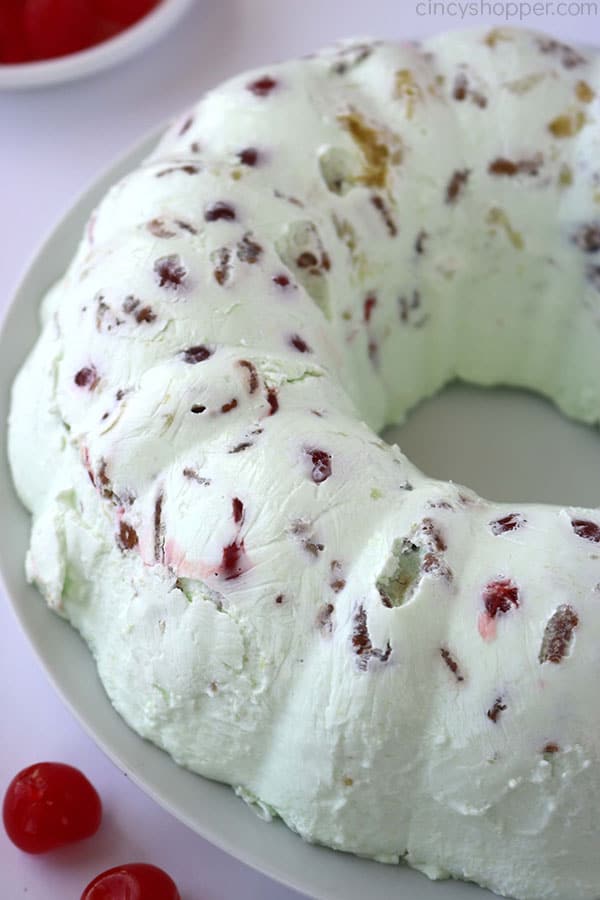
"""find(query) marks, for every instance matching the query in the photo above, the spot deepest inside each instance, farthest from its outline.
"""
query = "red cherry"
(50, 804)
(106, 30)
(368, 307)
(262, 86)
(583, 528)
(238, 509)
(321, 465)
(123, 12)
(511, 522)
(500, 596)
(299, 344)
(58, 27)
(133, 881)
(13, 48)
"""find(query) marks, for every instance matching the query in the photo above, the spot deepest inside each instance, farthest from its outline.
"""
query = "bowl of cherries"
(43, 42)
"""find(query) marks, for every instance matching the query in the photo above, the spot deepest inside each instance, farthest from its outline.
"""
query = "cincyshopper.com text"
(507, 10)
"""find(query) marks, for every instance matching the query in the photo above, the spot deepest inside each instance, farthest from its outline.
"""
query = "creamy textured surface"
(394, 666)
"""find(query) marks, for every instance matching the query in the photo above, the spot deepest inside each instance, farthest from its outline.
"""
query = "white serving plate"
(210, 809)
(100, 56)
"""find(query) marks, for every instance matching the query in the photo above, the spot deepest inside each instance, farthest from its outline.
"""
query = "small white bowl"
(100, 56)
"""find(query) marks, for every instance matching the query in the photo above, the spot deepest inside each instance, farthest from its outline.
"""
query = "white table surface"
(53, 142)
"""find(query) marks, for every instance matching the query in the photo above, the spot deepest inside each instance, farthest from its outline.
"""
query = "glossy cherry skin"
(33, 30)
(13, 47)
(123, 12)
(48, 805)
(133, 881)
(58, 27)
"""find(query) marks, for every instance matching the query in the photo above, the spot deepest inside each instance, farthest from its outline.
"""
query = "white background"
(53, 142)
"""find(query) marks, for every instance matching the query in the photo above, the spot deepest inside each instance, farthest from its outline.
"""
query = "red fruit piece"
(248, 251)
(551, 748)
(337, 583)
(248, 156)
(456, 185)
(106, 30)
(299, 344)
(272, 400)
(238, 509)
(133, 881)
(433, 565)
(451, 663)
(128, 536)
(218, 211)
(262, 86)
(187, 168)
(13, 47)
(558, 635)
(588, 237)
(190, 119)
(385, 214)
(198, 354)
(500, 596)
(321, 465)
(58, 27)
(324, 622)
(583, 528)
(48, 805)
(496, 710)
(368, 307)
(123, 12)
(508, 523)
(87, 378)
(307, 260)
(252, 374)
(222, 260)
(433, 535)
(170, 271)
(233, 561)
(362, 644)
